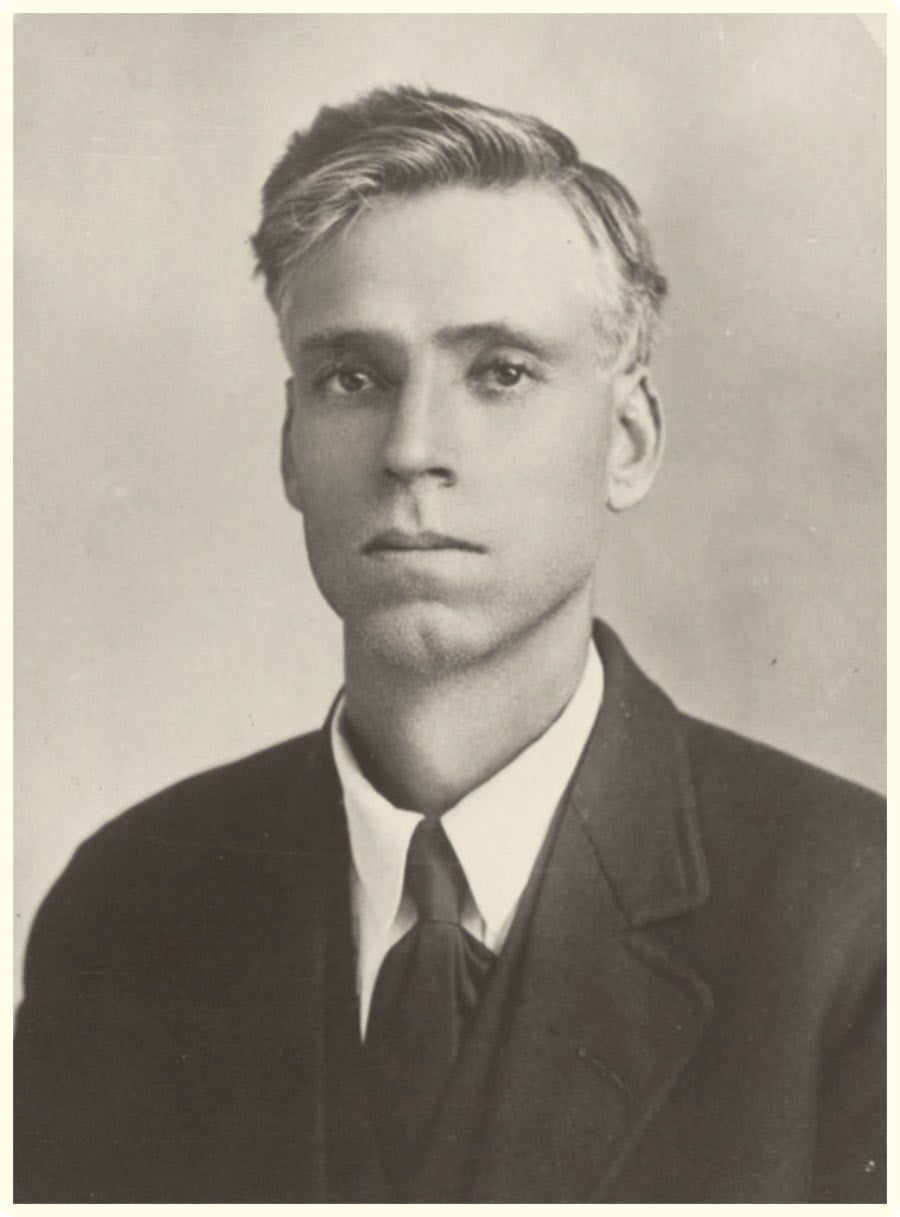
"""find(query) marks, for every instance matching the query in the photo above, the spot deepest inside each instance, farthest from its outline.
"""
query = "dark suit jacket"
(697, 1014)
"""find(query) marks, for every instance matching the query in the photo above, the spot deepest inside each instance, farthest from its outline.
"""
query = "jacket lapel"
(603, 1019)
(306, 816)
(307, 1005)
(342, 1157)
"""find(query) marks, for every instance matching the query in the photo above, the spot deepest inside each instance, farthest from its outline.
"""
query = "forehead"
(449, 257)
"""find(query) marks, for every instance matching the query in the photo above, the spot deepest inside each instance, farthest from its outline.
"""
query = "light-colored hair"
(404, 140)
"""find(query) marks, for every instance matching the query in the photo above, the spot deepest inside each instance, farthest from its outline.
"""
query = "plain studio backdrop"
(166, 617)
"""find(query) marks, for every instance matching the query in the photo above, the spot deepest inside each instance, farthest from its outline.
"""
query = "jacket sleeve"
(850, 1151)
(86, 1054)
(850, 1164)
(55, 1041)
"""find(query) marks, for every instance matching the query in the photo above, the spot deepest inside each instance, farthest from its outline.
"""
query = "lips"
(396, 540)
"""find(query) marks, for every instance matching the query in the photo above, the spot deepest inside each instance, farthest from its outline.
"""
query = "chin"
(421, 637)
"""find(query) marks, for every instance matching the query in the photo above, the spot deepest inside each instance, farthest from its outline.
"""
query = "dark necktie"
(427, 987)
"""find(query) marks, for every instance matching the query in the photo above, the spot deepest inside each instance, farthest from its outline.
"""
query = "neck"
(426, 739)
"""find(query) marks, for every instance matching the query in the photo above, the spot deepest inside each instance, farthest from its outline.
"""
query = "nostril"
(443, 474)
(407, 475)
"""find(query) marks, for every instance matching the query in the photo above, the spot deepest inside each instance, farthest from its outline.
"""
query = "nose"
(418, 442)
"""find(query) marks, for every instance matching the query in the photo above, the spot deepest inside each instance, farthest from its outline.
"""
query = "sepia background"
(165, 616)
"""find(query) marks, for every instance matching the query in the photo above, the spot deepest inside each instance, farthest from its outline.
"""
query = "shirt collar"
(379, 834)
(497, 830)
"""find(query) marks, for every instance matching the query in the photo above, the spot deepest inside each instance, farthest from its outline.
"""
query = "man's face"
(449, 426)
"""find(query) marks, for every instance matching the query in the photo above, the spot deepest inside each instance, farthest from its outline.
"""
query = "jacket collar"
(633, 791)
(634, 794)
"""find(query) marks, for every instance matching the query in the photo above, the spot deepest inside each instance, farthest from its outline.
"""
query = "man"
(510, 927)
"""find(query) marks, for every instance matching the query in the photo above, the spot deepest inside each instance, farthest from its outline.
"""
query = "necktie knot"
(435, 881)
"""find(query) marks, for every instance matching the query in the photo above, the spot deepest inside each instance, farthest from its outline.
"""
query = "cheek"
(564, 469)
(558, 509)
(327, 471)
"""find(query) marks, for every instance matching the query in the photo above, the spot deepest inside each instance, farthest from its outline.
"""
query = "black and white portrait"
(450, 608)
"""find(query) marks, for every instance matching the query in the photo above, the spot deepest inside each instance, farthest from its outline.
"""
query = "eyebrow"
(333, 339)
(497, 333)
(492, 333)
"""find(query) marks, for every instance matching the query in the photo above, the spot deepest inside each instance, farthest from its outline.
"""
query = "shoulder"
(742, 783)
(795, 854)
(229, 837)
(745, 789)
(227, 804)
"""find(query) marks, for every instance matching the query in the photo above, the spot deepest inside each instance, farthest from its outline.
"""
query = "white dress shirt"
(497, 831)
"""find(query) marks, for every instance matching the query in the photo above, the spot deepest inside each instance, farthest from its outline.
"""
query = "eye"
(344, 378)
(345, 381)
(503, 374)
(508, 374)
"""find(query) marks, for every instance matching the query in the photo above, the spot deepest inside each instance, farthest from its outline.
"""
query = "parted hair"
(403, 140)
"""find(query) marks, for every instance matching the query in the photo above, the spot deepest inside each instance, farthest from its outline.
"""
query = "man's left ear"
(636, 440)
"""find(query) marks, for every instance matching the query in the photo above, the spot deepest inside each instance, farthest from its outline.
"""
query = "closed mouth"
(395, 540)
